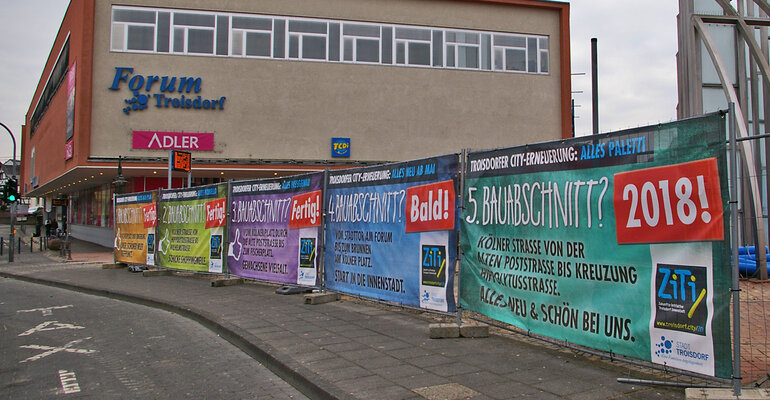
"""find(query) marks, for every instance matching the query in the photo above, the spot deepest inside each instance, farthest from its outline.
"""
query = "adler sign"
(155, 140)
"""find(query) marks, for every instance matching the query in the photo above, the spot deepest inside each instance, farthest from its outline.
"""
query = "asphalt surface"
(350, 349)
(56, 342)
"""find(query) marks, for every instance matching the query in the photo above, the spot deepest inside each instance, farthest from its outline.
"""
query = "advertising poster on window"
(275, 229)
(191, 228)
(391, 232)
(615, 242)
(135, 220)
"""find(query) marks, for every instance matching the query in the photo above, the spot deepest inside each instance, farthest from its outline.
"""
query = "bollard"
(18, 246)
(41, 243)
(31, 243)
(2, 244)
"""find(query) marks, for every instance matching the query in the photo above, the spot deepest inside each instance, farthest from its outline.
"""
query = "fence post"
(322, 243)
(733, 245)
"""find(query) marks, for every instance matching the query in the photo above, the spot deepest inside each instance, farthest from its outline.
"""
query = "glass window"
(258, 44)
(179, 40)
(361, 30)
(413, 46)
(200, 41)
(140, 38)
(164, 23)
(334, 42)
(413, 34)
(464, 49)
(532, 55)
(387, 45)
(314, 47)
(262, 24)
(515, 59)
(279, 36)
(141, 16)
(467, 57)
(241, 35)
(223, 29)
(206, 20)
(419, 53)
(438, 46)
(307, 27)
(237, 44)
(361, 43)
(368, 50)
(118, 37)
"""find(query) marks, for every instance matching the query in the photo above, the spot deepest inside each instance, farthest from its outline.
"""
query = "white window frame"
(543, 54)
(185, 41)
(457, 44)
(123, 26)
(355, 39)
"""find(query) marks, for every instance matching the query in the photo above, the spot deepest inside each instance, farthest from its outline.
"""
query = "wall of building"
(280, 109)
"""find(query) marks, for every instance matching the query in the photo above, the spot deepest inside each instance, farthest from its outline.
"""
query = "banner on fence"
(391, 232)
(191, 227)
(615, 242)
(274, 229)
(135, 221)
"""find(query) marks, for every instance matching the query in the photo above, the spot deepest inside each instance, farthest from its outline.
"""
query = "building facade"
(276, 87)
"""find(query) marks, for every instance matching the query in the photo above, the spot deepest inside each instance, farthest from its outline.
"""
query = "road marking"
(45, 327)
(47, 311)
(53, 350)
(69, 382)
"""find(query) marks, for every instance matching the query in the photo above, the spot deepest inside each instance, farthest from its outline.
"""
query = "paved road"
(55, 342)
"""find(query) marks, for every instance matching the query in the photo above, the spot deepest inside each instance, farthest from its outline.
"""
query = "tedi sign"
(163, 92)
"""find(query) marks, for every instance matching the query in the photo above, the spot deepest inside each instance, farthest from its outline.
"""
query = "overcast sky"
(636, 47)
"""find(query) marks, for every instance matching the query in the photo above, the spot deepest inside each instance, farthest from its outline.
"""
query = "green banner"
(191, 226)
(615, 242)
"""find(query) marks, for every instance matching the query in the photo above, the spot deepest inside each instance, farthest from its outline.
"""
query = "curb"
(301, 378)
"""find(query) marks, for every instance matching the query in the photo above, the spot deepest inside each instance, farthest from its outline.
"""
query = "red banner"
(673, 203)
(305, 210)
(150, 215)
(430, 207)
(215, 213)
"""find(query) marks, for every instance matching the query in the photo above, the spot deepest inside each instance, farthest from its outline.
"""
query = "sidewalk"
(349, 349)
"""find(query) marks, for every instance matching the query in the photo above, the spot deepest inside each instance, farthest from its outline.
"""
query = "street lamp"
(119, 180)
(13, 205)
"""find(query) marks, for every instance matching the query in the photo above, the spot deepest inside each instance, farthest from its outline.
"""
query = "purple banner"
(275, 229)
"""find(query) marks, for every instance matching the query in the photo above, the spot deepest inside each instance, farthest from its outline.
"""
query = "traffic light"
(11, 191)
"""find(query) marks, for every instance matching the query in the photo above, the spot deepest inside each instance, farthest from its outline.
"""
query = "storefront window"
(93, 207)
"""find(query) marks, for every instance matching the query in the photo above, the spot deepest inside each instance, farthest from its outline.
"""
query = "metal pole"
(734, 243)
(322, 244)
(170, 156)
(226, 233)
(463, 170)
(595, 85)
(13, 205)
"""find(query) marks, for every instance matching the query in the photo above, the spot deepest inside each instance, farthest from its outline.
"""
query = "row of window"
(58, 73)
(241, 35)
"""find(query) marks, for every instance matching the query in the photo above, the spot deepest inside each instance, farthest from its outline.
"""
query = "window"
(462, 50)
(361, 43)
(252, 37)
(521, 53)
(307, 40)
(57, 76)
(193, 33)
(133, 30)
(413, 46)
(140, 29)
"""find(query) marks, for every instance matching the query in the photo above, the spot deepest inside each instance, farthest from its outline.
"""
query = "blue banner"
(390, 232)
